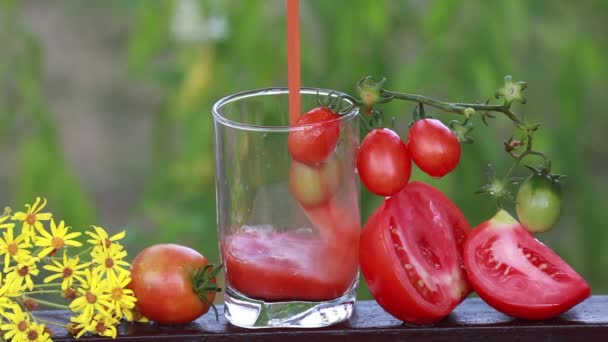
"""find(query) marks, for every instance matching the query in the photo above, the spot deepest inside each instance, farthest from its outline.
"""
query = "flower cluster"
(91, 283)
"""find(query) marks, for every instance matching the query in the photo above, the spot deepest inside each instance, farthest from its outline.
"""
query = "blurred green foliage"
(452, 50)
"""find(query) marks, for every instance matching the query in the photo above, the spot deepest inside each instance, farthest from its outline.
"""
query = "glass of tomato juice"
(288, 230)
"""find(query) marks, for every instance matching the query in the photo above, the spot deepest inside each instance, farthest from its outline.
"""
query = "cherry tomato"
(434, 147)
(383, 162)
(164, 278)
(518, 275)
(314, 136)
(410, 254)
(313, 186)
(539, 202)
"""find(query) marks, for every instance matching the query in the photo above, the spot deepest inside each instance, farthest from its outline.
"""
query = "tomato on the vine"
(434, 147)
(383, 162)
(518, 275)
(410, 254)
(539, 202)
(314, 136)
(312, 186)
(173, 284)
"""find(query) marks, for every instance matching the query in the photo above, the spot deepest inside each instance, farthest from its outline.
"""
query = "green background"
(105, 105)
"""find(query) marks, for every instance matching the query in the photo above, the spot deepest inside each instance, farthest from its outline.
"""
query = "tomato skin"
(162, 283)
(539, 202)
(383, 162)
(437, 229)
(433, 147)
(313, 186)
(316, 136)
(517, 274)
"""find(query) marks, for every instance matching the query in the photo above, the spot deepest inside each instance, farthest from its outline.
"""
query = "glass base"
(256, 314)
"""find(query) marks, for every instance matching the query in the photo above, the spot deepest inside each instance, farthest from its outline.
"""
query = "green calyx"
(203, 283)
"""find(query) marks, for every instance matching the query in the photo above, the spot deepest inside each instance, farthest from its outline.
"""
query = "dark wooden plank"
(473, 320)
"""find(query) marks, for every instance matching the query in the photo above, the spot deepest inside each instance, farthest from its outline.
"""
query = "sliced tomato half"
(517, 274)
(410, 254)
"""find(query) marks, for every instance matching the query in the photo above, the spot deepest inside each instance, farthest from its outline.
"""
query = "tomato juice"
(277, 266)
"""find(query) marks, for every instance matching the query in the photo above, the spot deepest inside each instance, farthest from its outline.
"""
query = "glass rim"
(217, 106)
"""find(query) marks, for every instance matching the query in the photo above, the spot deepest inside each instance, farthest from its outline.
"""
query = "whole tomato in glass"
(383, 162)
(434, 148)
(314, 136)
(173, 284)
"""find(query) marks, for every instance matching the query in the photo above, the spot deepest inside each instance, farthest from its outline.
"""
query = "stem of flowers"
(47, 303)
(88, 250)
(64, 326)
(41, 286)
(42, 291)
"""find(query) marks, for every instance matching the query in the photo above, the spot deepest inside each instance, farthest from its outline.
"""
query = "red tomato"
(164, 278)
(518, 275)
(383, 162)
(410, 254)
(314, 185)
(292, 265)
(433, 147)
(315, 136)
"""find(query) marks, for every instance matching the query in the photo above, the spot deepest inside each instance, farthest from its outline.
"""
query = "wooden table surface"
(473, 320)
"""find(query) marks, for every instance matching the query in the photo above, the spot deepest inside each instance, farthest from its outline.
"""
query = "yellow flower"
(135, 316)
(6, 225)
(122, 298)
(32, 218)
(93, 296)
(17, 325)
(35, 333)
(20, 276)
(100, 239)
(5, 301)
(68, 270)
(14, 248)
(58, 238)
(110, 261)
(99, 324)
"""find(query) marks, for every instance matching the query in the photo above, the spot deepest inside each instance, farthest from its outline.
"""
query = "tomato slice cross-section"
(410, 254)
(517, 274)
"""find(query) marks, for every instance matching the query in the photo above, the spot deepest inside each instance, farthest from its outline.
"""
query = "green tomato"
(539, 202)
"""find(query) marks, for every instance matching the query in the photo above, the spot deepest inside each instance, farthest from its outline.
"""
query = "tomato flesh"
(517, 274)
(410, 254)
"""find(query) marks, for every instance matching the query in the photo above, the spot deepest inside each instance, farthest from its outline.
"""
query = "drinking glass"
(288, 229)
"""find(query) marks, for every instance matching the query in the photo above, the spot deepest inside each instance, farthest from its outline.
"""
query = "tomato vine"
(373, 95)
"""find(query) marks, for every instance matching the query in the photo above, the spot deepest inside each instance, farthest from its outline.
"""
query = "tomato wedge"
(517, 274)
(410, 254)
